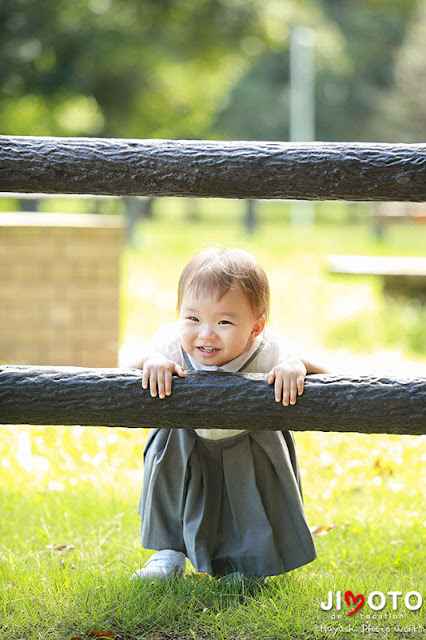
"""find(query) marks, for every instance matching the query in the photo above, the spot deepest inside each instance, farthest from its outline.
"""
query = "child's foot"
(162, 565)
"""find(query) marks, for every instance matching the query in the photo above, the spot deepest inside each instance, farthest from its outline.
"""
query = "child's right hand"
(157, 371)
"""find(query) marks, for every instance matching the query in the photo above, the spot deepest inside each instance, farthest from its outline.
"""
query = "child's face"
(213, 331)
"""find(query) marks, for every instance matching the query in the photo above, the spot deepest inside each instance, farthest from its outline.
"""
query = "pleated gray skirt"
(229, 505)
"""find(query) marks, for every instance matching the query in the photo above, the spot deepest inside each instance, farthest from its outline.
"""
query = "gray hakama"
(232, 503)
(229, 505)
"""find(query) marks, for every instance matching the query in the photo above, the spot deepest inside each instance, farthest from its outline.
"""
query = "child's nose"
(207, 331)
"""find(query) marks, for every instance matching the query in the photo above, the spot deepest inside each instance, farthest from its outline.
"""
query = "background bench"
(400, 275)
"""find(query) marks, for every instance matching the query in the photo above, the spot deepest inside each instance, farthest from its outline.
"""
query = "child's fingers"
(161, 383)
(153, 383)
(179, 370)
(278, 388)
(168, 379)
(293, 391)
(167, 383)
(286, 392)
(149, 379)
(300, 385)
(145, 378)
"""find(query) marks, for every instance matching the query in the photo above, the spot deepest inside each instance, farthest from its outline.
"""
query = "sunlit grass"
(69, 539)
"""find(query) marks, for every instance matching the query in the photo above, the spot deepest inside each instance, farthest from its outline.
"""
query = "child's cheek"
(185, 336)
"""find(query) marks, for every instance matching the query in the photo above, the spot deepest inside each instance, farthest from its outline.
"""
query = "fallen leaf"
(102, 634)
(62, 548)
(383, 469)
(322, 530)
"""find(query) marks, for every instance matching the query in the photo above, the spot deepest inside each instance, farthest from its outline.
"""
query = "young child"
(229, 500)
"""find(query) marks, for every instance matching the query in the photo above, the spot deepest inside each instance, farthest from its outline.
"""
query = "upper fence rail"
(191, 168)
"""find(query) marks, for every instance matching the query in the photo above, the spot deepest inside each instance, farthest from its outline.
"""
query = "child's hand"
(289, 377)
(158, 371)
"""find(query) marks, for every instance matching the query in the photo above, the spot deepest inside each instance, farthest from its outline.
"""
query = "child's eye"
(225, 322)
(192, 318)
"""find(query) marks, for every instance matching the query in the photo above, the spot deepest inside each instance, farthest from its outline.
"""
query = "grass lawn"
(68, 495)
(69, 542)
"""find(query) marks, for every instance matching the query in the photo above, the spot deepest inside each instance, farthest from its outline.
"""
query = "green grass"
(84, 494)
(69, 533)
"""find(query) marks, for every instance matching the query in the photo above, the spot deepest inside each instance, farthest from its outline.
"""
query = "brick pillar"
(59, 288)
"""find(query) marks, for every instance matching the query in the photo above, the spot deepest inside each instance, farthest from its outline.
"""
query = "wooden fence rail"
(269, 170)
(114, 397)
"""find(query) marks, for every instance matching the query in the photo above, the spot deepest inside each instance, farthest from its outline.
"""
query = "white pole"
(302, 105)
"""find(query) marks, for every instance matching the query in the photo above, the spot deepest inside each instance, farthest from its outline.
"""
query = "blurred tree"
(355, 51)
(151, 68)
(120, 67)
(404, 104)
(258, 106)
(349, 103)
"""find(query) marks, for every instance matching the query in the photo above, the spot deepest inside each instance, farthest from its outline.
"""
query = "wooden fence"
(301, 171)
(114, 397)
(307, 171)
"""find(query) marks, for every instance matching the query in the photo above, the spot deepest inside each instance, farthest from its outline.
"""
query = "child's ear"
(258, 327)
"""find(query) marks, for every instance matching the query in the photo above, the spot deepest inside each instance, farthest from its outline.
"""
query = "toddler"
(229, 500)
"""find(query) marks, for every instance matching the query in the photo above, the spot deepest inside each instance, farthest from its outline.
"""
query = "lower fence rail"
(114, 397)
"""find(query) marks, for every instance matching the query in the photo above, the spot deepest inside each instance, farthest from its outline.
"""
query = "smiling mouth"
(208, 349)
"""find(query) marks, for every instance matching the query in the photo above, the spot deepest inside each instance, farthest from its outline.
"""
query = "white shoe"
(162, 565)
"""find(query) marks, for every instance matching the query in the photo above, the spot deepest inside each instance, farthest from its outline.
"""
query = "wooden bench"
(406, 276)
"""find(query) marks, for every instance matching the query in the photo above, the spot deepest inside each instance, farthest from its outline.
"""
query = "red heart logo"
(351, 599)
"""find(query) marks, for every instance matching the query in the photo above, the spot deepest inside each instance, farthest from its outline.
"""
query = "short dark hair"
(218, 270)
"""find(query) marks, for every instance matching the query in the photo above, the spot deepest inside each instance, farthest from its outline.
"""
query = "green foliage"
(207, 68)
(403, 105)
(131, 68)
(356, 48)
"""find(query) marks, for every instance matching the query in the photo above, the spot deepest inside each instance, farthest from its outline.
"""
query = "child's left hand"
(289, 377)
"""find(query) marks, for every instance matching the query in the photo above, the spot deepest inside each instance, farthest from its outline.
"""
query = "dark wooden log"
(300, 171)
(114, 397)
